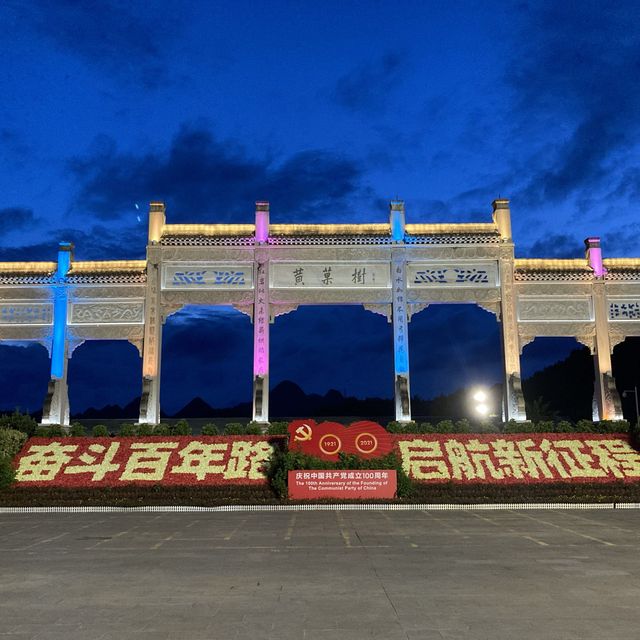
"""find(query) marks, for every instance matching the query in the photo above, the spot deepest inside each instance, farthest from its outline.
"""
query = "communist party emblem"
(326, 440)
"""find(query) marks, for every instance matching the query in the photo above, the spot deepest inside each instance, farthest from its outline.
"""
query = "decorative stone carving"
(588, 340)
(107, 293)
(379, 309)
(549, 309)
(491, 307)
(460, 274)
(624, 310)
(613, 405)
(26, 313)
(247, 309)
(281, 310)
(208, 275)
(413, 308)
(617, 335)
(103, 312)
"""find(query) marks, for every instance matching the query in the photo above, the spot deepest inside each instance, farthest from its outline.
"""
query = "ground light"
(481, 402)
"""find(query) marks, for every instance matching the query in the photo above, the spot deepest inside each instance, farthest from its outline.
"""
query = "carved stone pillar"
(261, 345)
(402, 389)
(152, 342)
(261, 317)
(513, 407)
(606, 397)
(55, 409)
(56, 404)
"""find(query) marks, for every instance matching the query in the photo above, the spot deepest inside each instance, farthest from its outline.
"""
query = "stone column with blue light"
(402, 392)
(513, 406)
(606, 400)
(56, 404)
(261, 317)
(152, 344)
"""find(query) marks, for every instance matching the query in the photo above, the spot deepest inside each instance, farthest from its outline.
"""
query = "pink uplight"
(594, 256)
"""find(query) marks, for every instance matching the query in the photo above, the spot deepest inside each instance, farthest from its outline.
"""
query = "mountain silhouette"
(563, 391)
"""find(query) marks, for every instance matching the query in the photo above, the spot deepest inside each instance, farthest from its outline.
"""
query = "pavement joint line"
(568, 530)
(535, 506)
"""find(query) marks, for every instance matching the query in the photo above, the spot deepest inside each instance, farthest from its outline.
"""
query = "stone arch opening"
(558, 379)
(24, 376)
(322, 354)
(626, 371)
(207, 353)
(104, 375)
(454, 348)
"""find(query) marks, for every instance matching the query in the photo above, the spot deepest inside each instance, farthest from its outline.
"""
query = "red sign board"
(326, 440)
(341, 484)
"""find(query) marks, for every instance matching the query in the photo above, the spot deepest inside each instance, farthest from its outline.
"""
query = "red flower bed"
(171, 460)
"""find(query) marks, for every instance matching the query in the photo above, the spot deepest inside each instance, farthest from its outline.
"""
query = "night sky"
(328, 110)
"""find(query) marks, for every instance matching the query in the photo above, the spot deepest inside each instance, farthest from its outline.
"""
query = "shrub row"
(464, 426)
(11, 442)
(179, 428)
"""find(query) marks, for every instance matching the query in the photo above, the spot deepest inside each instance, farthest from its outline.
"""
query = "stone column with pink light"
(261, 317)
(606, 399)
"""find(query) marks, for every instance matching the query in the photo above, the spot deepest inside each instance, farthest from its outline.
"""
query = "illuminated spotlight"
(482, 409)
(480, 396)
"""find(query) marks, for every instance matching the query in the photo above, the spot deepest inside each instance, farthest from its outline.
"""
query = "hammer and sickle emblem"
(303, 433)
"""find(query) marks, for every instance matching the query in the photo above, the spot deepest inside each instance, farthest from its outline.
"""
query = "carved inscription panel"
(26, 313)
(440, 275)
(623, 309)
(532, 309)
(101, 312)
(327, 275)
(221, 276)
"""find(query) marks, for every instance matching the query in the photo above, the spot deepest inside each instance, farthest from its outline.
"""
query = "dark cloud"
(13, 148)
(629, 185)
(573, 71)
(15, 219)
(121, 38)
(555, 245)
(367, 87)
(203, 178)
(95, 243)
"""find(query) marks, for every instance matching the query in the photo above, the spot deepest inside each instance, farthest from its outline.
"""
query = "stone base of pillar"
(56, 404)
(403, 398)
(261, 400)
(607, 398)
(149, 402)
(514, 406)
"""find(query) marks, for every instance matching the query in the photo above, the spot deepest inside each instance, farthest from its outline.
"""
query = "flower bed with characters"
(171, 460)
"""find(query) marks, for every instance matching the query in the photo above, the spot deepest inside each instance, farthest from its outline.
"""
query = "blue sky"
(328, 110)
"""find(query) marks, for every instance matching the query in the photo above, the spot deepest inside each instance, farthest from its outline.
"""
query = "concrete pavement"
(321, 575)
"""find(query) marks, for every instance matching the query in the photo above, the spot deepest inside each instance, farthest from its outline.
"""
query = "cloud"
(15, 219)
(555, 245)
(572, 71)
(203, 178)
(96, 243)
(367, 87)
(121, 38)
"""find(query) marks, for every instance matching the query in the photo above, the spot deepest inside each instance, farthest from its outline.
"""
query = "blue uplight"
(60, 296)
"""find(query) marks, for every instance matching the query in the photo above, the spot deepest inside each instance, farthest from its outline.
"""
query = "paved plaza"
(320, 575)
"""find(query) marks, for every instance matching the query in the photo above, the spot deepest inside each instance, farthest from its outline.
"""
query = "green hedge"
(18, 421)
(282, 462)
(7, 473)
(464, 426)
(11, 442)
